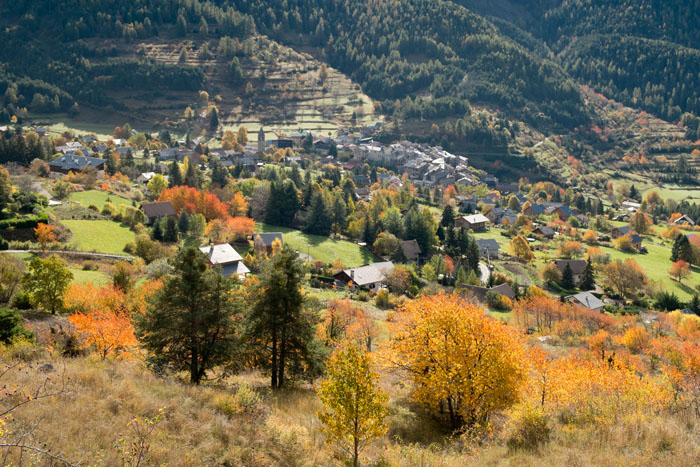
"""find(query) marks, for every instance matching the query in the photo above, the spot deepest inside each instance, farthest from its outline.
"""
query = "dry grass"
(203, 426)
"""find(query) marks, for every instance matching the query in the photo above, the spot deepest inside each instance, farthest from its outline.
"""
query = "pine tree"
(588, 277)
(319, 222)
(170, 234)
(448, 217)
(282, 332)
(695, 304)
(191, 322)
(682, 250)
(462, 278)
(192, 176)
(174, 175)
(183, 222)
(567, 278)
(157, 231)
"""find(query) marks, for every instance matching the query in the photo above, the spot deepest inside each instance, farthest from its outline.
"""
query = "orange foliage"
(192, 200)
(44, 234)
(110, 332)
(238, 206)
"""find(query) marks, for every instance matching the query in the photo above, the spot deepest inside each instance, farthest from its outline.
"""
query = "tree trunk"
(273, 381)
(356, 456)
(283, 354)
(194, 373)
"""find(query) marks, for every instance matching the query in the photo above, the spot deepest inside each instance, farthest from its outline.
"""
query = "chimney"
(211, 249)
(352, 275)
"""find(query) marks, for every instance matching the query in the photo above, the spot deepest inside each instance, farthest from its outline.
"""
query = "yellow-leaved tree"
(355, 408)
(464, 364)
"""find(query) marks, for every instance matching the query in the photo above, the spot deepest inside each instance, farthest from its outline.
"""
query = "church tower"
(261, 140)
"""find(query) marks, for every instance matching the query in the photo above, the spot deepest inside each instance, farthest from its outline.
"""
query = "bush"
(527, 429)
(667, 301)
(92, 207)
(22, 301)
(11, 326)
(245, 401)
(382, 299)
(363, 296)
(498, 301)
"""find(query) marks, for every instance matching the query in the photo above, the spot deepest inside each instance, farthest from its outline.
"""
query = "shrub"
(667, 301)
(11, 326)
(363, 296)
(92, 207)
(382, 299)
(498, 301)
(245, 401)
(22, 301)
(528, 429)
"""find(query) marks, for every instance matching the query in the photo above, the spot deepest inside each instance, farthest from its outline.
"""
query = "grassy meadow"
(102, 236)
(320, 248)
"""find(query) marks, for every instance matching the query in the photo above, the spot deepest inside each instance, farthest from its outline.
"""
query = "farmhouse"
(411, 249)
(586, 299)
(577, 266)
(154, 211)
(534, 210)
(620, 231)
(684, 219)
(488, 247)
(371, 276)
(64, 164)
(225, 256)
(145, 177)
(544, 231)
(473, 222)
(479, 293)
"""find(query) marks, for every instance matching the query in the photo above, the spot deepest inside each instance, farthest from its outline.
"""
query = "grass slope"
(98, 198)
(96, 277)
(100, 236)
(321, 248)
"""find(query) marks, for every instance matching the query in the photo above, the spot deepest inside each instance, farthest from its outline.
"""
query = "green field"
(320, 248)
(99, 236)
(96, 277)
(98, 198)
(656, 264)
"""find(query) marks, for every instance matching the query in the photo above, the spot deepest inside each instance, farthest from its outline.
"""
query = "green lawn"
(100, 236)
(320, 248)
(96, 277)
(98, 198)
(656, 264)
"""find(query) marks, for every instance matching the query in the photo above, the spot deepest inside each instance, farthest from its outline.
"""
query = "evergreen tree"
(448, 217)
(192, 175)
(682, 249)
(281, 332)
(472, 253)
(170, 234)
(695, 304)
(174, 175)
(567, 278)
(369, 234)
(588, 277)
(157, 231)
(214, 119)
(319, 222)
(190, 324)
(183, 222)
(283, 203)
(340, 211)
(111, 164)
(462, 278)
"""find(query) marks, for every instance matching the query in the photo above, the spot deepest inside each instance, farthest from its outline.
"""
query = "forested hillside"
(419, 60)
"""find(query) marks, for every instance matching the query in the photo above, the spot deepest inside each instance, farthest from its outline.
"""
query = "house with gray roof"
(586, 299)
(225, 257)
(371, 276)
(488, 247)
(71, 163)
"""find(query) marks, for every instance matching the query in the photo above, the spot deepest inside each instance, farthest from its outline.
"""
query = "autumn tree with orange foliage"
(641, 222)
(464, 365)
(345, 321)
(101, 314)
(590, 237)
(570, 250)
(193, 200)
(238, 206)
(44, 234)
(230, 230)
(679, 269)
(625, 278)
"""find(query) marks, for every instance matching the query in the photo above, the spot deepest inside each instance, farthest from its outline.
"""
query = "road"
(485, 273)
(83, 253)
